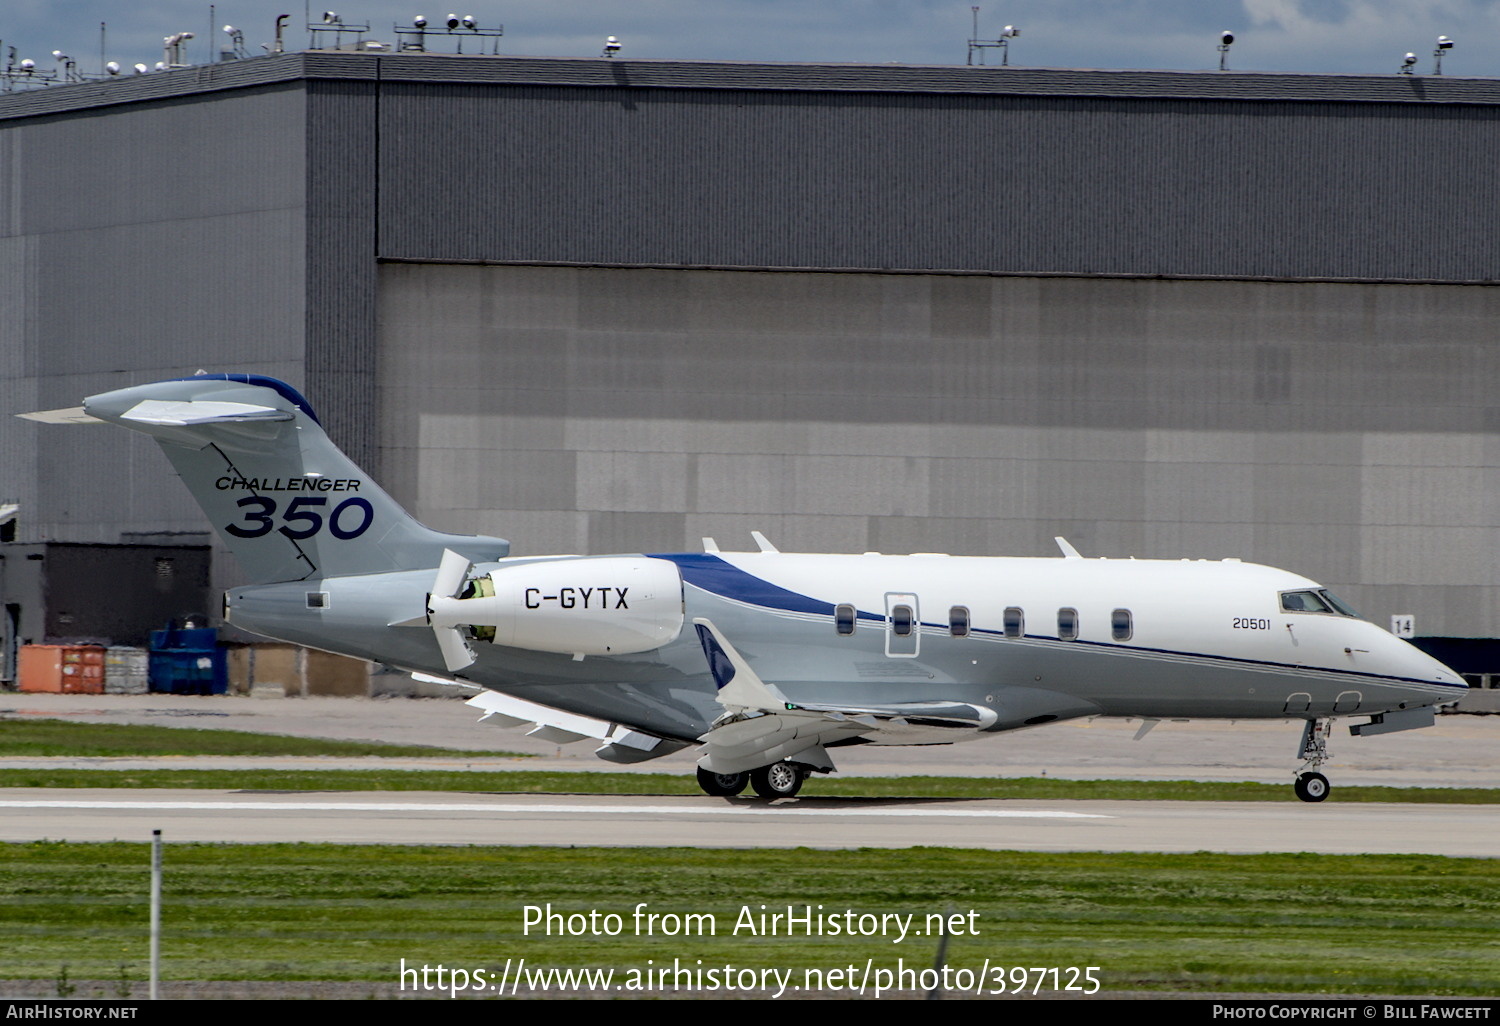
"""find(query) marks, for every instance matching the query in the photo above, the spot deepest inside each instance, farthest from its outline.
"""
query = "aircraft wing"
(761, 726)
(620, 743)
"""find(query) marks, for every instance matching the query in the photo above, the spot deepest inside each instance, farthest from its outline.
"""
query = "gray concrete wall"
(145, 243)
(1343, 431)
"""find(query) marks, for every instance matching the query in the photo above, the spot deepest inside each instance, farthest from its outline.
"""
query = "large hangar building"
(613, 305)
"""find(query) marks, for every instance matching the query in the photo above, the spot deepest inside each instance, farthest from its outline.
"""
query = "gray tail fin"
(286, 501)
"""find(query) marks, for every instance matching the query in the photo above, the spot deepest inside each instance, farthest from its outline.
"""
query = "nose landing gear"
(1310, 785)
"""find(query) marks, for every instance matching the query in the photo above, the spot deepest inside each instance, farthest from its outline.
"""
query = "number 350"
(305, 512)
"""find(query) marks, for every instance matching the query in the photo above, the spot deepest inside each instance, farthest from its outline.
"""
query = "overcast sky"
(1319, 36)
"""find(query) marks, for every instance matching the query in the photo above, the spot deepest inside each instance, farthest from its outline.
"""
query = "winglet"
(1068, 551)
(738, 686)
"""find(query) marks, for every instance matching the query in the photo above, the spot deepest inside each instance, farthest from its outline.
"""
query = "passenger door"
(903, 625)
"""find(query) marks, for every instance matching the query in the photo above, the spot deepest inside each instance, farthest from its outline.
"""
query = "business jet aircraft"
(768, 659)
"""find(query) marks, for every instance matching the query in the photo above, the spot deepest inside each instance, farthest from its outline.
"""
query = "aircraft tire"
(1311, 787)
(722, 785)
(778, 780)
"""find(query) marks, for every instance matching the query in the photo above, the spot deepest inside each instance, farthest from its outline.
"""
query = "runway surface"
(507, 819)
(1458, 751)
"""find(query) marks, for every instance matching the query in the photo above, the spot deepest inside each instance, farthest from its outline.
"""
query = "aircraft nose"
(1427, 668)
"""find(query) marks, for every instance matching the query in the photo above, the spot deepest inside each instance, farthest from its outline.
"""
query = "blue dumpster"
(188, 661)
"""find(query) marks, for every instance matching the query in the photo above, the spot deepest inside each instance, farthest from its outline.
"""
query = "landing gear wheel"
(1311, 787)
(722, 785)
(778, 780)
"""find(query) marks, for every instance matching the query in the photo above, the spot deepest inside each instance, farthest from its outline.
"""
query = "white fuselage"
(1148, 638)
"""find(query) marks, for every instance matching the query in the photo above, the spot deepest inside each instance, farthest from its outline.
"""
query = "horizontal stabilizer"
(183, 413)
(71, 415)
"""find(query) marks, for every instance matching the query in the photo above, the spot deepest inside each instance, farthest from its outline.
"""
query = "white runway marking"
(633, 810)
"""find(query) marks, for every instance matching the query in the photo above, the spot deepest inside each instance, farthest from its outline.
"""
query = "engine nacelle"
(610, 605)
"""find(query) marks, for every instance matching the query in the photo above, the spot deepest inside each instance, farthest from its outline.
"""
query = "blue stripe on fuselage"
(712, 574)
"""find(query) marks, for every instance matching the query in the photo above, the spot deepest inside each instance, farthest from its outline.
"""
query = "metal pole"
(155, 911)
(936, 993)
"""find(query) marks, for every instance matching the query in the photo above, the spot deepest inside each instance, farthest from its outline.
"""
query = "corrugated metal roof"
(660, 74)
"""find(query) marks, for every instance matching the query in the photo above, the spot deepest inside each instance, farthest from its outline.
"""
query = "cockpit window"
(1338, 606)
(1303, 602)
(1320, 601)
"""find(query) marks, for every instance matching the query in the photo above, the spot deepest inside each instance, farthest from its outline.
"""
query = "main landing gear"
(1310, 785)
(778, 780)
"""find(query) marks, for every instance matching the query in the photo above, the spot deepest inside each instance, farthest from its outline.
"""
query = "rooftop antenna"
(69, 66)
(1406, 64)
(236, 48)
(172, 48)
(1226, 40)
(25, 73)
(1003, 43)
(418, 29)
(103, 65)
(1443, 43)
(415, 38)
(334, 22)
(611, 47)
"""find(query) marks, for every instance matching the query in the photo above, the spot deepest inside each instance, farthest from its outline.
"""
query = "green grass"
(533, 782)
(1196, 923)
(46, 737)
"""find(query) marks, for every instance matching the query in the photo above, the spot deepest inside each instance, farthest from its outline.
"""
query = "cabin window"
(903, 622)
(1067, 624)
(843, 619)
(1015, 622)
(1120, 625)
(958, 621)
